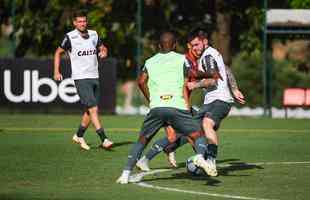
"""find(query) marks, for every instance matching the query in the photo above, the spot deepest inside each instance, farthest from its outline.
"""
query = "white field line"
(136, 178)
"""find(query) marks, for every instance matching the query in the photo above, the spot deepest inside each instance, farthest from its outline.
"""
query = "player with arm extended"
(163, 84)
(195, 47)
(83, 47)
(210, 114)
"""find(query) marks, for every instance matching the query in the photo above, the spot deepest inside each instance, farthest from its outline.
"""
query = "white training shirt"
(82, 53)
(221, 91)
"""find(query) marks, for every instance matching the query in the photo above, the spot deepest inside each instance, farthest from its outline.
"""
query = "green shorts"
(181, 120)
(88, 91)
(216, 110)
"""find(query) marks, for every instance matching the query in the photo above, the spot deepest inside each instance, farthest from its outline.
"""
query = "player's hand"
(239, 96)
(191, 85)
(103, 52)
(58, 77)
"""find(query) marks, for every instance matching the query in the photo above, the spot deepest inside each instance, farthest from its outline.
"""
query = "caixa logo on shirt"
(31, 89)
(87, 52)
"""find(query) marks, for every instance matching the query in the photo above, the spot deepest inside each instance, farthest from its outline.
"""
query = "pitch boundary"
(139, 176)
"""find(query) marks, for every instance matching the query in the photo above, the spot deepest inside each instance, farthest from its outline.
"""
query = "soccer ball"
(193, 169)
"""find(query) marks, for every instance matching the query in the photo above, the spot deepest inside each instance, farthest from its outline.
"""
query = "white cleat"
(124, 178)
(206, 166)
(75, 139)
(81, 142)
(107, 144)
(212, 163)
(172, 160)
(143, 165)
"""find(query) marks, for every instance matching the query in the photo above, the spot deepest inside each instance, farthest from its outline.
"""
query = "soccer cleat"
(171, 159)
(75, 139)
(212, 164)
(143, 165)
(124, 178)
(81, 142)
(107, 144)
(206, 166)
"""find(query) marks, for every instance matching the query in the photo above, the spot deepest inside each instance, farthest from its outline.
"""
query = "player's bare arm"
(234, 86)
(142, 83)
(204, 83)
(186, 94)
(57, 75)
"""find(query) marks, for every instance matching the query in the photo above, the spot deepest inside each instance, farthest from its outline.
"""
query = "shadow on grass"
(236, 166)
(225, 168)
(210, 181)
(117, 144)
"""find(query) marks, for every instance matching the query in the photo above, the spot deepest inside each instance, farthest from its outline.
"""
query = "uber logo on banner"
(27, 85)
(31, 89)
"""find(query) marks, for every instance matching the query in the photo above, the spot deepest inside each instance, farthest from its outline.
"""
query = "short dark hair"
(79, 13)
(167, 41)
(197, 32)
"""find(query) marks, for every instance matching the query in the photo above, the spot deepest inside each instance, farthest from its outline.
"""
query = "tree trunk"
(222, 35)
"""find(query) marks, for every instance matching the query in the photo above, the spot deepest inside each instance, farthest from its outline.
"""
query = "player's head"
(167, 41)
(197, 41)
(80, 20)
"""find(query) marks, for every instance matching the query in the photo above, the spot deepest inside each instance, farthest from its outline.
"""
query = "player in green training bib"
(163, 84)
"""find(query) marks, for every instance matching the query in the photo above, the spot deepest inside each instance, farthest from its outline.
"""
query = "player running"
(83, 46)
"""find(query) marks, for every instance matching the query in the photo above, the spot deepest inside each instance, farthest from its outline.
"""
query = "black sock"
(212, 150)
(101, 134)
(80, 132)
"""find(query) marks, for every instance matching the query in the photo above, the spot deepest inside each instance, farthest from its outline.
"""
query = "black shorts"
(216, 110)
(88, 91)
(181, 121)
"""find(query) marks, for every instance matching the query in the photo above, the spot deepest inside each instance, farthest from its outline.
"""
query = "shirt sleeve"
(209, 63)
(66, 43)
(143, 69)
(99, 42)
(186, 69)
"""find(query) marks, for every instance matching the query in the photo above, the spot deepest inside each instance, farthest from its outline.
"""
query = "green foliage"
(300, 4)
(247, 67)
(250, 38)
(285, 75)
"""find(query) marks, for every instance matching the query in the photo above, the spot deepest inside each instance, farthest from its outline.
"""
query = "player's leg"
(215, 112)
(79, 136)
(156, 148)
(159, 146)
(152, 123)
(92, 93)
(183, 122)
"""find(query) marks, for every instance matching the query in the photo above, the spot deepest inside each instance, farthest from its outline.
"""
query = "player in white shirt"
(83, 47)
(218, 98)
(217, 103)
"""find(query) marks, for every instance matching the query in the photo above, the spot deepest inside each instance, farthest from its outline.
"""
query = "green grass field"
(259, 158)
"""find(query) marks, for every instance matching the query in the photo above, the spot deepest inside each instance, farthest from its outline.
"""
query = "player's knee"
(208, 123)
(193, 136)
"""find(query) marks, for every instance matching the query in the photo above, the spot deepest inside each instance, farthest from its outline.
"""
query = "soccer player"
(83, 46)
(162, 82)
(217, 104)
